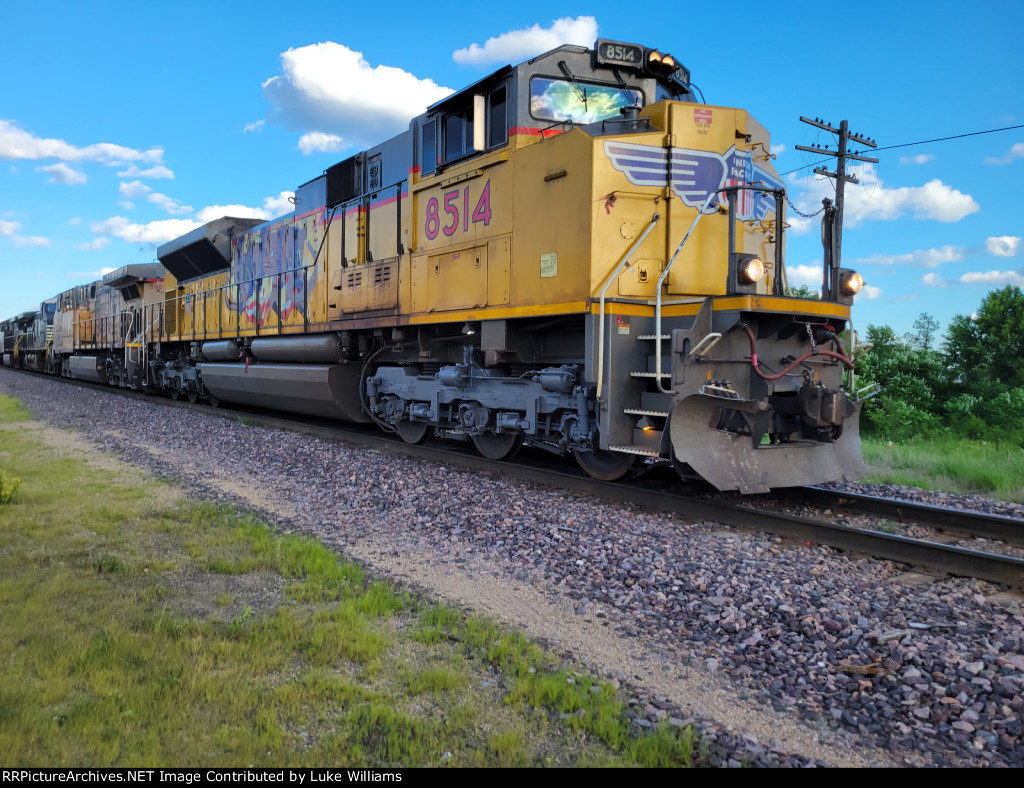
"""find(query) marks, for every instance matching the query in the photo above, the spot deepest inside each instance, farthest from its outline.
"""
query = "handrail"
(143, 345)
(99, 323)
(215, 292)
(614, 275)
(710, 340)
(657, 294)
(127, 335)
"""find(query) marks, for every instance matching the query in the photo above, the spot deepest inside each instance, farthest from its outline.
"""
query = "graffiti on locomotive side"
(451, 214)
(274, 271)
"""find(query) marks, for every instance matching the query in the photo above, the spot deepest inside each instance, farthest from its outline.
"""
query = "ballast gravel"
(778, 653)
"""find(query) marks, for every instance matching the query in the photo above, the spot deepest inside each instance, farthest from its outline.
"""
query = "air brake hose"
(775, 376)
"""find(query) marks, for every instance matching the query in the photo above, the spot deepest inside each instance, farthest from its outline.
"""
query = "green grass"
(10, 486)
(11, 410)
(959, 466)
(539, 683)
(136, 631)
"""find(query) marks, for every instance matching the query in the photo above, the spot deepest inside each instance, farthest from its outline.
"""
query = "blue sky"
(125, 124)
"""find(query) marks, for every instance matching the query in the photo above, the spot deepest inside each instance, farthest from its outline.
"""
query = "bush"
(9, 487)
(898, 420)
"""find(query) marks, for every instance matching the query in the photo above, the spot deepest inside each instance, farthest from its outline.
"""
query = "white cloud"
(1015, 152)
(32, 240)
(88, 274)
(10, 229)
(994, 278)
(16, 143)
(805, 274)
(870, 292)
(921, 158)
(168, 229)
(74, 221)
(134, 190)
(151, 233)
(255, 126)
(922, 258)
(280, 205)
(169, 204)
(1003, 245)
(271, 209)
(799, 225)
(62, 173)
(126, 204)
(515, 45)
(93, 246)
(331, 89)
(159, 171)
(988, 278)
(870, 199)
(777, 150)
(318, 142)
(212, 212)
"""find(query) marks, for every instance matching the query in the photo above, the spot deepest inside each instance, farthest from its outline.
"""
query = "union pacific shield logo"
(694, 175)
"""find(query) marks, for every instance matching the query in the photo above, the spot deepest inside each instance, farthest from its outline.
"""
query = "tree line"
(968, 384)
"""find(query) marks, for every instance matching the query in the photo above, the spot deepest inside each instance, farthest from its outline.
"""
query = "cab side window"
(428, 164)
(458, 134)
(497, 118)
(478, 124)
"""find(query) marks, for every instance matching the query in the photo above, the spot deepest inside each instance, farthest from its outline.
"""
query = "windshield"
(580, 102)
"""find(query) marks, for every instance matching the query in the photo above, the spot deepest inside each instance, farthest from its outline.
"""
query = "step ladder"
(653, 409)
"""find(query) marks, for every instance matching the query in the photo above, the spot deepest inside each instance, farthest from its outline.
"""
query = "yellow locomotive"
(571, 253)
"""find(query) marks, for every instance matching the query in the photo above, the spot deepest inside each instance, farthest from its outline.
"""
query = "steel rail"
(963, 523)
(930, 556)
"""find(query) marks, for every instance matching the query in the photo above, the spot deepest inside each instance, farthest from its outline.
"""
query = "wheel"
(607, 466)
(498, 445)
(414, 432)
(193, 396)
(175, 394)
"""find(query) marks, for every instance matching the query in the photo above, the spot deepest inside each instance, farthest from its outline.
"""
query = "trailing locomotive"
(571, 253)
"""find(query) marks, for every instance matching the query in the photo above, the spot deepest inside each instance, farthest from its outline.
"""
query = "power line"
(921, 142)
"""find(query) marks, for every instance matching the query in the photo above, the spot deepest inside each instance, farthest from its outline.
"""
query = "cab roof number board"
(617, 53)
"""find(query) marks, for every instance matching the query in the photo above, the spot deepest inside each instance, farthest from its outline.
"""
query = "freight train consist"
(571, 254)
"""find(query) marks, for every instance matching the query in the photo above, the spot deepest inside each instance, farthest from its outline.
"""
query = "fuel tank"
(330, 390)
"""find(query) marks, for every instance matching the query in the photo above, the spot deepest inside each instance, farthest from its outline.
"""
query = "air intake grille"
(344, 181)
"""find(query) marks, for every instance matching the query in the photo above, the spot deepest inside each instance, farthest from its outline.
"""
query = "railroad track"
(959, 523)
(927, 555)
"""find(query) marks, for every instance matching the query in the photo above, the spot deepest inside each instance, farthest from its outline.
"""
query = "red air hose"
(776, 375)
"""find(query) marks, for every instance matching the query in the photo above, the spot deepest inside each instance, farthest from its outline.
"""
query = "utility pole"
(832, 222)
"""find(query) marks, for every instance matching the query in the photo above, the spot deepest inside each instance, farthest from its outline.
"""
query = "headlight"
(661, 63)
(751, 270)
(851, 283)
